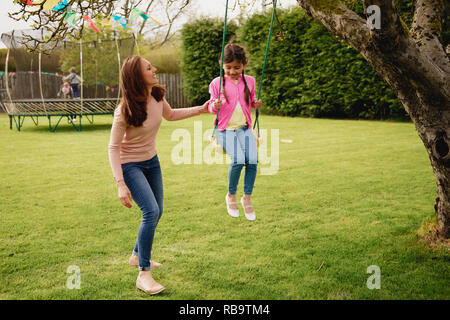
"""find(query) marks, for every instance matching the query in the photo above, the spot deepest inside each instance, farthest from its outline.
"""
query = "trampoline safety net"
(35, 89)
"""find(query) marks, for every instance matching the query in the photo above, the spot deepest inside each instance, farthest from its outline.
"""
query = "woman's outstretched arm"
(183, 113)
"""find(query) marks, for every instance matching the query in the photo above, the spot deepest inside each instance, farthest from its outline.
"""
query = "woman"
(133, 156)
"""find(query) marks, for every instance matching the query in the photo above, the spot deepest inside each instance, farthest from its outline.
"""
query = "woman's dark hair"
(135, 92)
(233, 52)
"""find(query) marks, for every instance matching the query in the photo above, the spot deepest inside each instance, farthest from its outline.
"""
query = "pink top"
(235, 92)
(134, 144)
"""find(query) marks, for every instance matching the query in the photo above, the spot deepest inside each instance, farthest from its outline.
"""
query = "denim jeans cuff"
(144, 268)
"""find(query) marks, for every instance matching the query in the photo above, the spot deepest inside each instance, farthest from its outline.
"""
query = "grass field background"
(347, 195)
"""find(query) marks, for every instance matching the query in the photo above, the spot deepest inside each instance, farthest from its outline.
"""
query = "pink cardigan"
(235, 93)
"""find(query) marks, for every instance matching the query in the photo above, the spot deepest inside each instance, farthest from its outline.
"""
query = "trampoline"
(32, 93)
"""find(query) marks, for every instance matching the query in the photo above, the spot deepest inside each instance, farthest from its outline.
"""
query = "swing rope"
(216, 122)
(264, 65)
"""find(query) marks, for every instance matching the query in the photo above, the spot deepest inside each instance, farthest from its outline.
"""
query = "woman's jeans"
(144, 180)
(240, 145)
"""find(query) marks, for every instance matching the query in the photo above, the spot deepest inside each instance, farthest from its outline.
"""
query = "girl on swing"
(234, 129)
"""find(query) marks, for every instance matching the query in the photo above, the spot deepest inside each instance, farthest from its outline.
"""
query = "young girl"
(234, 129)
(66, 91)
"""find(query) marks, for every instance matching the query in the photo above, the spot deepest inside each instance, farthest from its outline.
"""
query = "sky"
(212, 8)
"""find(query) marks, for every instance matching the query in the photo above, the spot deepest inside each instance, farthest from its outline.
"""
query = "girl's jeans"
(240, 145)
(144, 180)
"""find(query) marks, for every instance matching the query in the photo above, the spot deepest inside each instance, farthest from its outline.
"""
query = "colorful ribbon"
(71, 18)
(120, 20)
(60, 6)
(91, 24)
(135, 13)
(153, 19)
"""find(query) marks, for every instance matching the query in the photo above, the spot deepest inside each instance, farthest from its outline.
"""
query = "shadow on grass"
(67, 128)
(100, 123)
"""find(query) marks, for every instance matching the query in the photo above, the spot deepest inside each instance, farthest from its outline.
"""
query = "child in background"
(74, 81)
(234, 130)
(66, 91)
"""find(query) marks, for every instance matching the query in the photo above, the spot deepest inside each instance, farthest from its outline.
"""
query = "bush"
(202, 45)
(165, 58)
(311, 73)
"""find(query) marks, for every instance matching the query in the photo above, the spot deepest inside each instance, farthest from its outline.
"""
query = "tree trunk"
(415, 66)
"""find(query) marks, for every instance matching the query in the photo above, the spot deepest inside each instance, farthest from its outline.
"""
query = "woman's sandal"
(232, 212)
(250, 216)
(154, 289)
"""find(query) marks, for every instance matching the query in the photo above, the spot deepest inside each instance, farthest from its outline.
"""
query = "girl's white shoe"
(250, 216)
(232, 212)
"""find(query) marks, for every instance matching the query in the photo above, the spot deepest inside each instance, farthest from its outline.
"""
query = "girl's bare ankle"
(232, 197)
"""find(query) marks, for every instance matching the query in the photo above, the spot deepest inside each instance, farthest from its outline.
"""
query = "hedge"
(202, 45)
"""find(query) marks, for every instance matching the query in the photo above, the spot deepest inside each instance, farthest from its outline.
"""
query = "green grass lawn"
(347, 195)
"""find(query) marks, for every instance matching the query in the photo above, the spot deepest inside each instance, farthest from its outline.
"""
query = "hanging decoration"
(152, 18)
(91, 24)
(71, 18)
(135, 13)
(120, 20)
(28, 2)
(60, 6)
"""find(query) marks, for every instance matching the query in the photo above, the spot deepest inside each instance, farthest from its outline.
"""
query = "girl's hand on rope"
(124, 194)
(217, 104)
(257, 104)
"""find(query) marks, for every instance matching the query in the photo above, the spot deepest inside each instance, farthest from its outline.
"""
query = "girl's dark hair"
(233, 52)
(135, 92)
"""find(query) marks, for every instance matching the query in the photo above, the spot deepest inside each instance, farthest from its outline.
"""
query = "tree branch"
(387, 38)
(53, 21)
(171, 19)
(426, 31)
(389, 46)
(341, 21)
(143, 22)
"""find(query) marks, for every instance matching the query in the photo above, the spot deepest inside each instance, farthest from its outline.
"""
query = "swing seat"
(217, 146)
